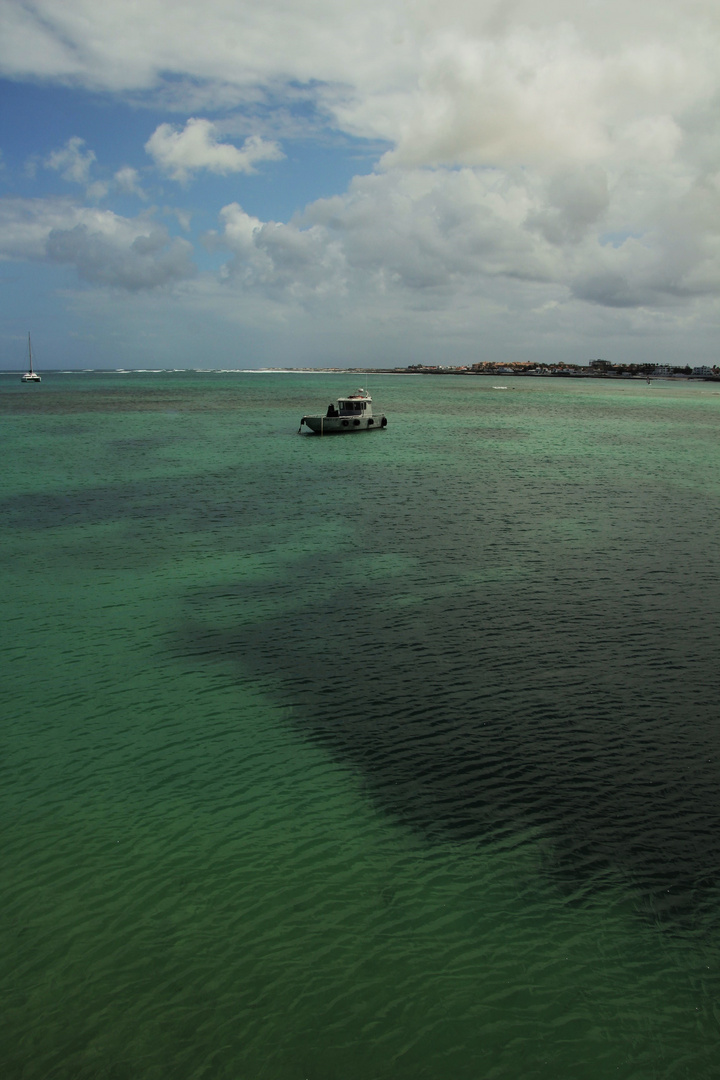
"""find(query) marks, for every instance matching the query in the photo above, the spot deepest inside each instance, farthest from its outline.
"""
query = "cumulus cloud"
(283, 259)
(72, 161)
(118, 258)
(445, 82)
(127, 182)
(97, 191)
(26, 223)
(182, 152)
(576, 200)
(423, 236)
(129, 253)
(432, 236)
(565, 152)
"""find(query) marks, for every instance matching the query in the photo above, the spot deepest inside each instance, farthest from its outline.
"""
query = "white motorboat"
(351, 414)
(30, 376)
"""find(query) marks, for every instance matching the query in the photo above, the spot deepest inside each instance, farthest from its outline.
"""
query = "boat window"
(347, 406)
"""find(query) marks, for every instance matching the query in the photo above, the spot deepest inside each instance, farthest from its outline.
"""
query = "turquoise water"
(393, 756)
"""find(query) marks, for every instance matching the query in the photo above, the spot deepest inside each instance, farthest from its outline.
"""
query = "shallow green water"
(389, 757)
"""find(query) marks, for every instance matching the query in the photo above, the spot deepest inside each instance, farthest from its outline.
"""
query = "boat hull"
(344, 425)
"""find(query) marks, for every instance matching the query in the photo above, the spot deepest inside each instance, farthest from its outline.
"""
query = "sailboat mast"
(30, 352)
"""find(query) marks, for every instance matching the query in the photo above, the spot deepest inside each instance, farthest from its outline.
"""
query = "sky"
(301, 183)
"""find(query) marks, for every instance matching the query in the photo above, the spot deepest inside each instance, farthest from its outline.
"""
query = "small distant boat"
(352, 414)
(30, 376)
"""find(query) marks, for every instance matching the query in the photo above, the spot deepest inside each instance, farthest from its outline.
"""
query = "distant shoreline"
(572, 373)
(620, 373)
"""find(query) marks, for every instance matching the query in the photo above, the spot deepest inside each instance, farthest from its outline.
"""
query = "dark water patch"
(561, 704)
(61, 402)
(143, 443)
(70, 430)
(202, 502)
(461, 754)
(493, 433)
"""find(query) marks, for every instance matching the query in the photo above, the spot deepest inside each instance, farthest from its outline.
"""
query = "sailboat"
(30, 376)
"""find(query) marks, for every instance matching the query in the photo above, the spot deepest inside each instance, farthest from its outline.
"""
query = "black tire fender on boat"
(384, 422)
(345, 423)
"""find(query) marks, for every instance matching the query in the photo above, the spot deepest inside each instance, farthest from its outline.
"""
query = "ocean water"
(380, 758)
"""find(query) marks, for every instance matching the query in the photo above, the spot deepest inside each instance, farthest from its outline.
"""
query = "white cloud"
(129, 253)
(440, 237)
(445, 81)
(195, 147)
(127, 182)
(423, 237)
(553, 159)
(26, 223)
(146, 260)
(97, 191)
(284, 259)
(540, 83)
(71, 161)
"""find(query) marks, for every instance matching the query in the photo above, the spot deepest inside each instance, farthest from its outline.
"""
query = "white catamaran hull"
(30, 376)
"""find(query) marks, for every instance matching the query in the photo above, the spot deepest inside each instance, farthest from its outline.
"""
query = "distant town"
(595, 369)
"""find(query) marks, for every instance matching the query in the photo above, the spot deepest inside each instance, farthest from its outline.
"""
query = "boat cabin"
(355, 405)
